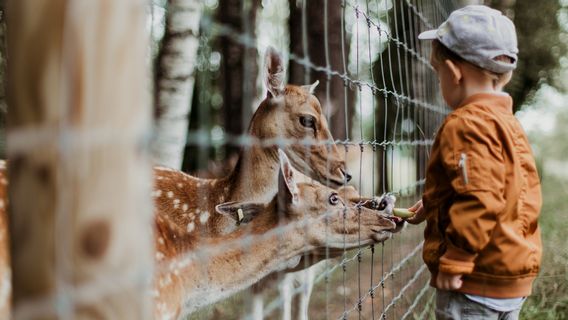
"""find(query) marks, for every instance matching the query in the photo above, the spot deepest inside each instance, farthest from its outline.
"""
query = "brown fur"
(244, 262)
(5, 268)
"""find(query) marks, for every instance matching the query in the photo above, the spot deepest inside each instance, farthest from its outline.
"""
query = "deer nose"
(346, 174)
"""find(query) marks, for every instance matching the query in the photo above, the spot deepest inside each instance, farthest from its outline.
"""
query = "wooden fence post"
(79, 190)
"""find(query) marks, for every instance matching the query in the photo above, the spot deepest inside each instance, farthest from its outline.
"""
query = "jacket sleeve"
(473, 160)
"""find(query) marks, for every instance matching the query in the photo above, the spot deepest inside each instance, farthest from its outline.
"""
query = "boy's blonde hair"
(441, 53)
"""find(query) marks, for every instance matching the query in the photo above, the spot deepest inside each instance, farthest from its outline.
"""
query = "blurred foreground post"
(80, 204)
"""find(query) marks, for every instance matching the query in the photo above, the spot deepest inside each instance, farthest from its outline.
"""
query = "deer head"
(328, 220)
(294, 113)
(301, 218)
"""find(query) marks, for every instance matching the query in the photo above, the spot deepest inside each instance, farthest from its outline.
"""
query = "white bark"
(175, 81)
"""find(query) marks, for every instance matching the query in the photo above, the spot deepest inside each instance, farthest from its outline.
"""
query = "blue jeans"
(451, 305)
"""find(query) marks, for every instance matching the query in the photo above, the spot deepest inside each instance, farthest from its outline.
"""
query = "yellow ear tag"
(240, 215)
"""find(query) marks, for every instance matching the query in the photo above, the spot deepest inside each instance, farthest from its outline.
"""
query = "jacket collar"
(499, 101)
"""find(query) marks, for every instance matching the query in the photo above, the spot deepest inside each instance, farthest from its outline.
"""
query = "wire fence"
(392, 107)
(388, 109)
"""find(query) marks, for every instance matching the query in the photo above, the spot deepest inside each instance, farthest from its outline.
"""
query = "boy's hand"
(448, 282)
(419, 214)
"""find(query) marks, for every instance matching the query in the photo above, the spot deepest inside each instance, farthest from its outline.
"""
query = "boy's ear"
(455, 70)
(241, 212)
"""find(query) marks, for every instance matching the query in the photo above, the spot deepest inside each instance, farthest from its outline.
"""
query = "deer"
(270, 236)
(301, 218)
(288, 113)
(186, 204)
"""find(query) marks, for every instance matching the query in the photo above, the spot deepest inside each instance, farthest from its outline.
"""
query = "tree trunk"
(334, 104)
(175, 79)
(80, 205)
(239, 67)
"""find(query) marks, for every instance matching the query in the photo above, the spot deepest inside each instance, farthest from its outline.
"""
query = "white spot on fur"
(184, 207)
(159, 256)
(204, 217)
(176, 203)
(1, 204)
(190, 227)
(179, 185)
(161, 240)
(6, 288)
(170, 194)
(157, 193)
(159, 178)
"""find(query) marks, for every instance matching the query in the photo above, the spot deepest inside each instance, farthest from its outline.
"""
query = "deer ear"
(311, 88)
(274, 72)
(241, 212)
(287, 187)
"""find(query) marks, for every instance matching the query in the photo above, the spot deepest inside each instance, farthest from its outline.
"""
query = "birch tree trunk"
(80, 205)
(175, 81)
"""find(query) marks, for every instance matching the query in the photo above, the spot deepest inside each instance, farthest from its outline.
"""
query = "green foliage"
(542, 42)
(550, 294)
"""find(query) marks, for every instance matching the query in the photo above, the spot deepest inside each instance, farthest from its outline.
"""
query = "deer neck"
(223, 266)
(255, 177)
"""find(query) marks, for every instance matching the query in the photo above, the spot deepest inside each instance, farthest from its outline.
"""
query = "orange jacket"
(482, 200)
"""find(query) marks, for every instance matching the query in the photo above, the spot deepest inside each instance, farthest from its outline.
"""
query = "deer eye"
(333, 199)
(308, 121)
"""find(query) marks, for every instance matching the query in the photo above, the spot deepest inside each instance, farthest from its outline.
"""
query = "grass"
(550, 291)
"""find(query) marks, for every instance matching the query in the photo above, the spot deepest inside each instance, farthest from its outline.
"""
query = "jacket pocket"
(462, 165)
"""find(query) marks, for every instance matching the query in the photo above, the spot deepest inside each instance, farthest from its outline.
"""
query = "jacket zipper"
(463, 165)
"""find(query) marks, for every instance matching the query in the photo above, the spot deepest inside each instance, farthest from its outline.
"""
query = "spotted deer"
(185, 205)
(271, 235)
(289, 113)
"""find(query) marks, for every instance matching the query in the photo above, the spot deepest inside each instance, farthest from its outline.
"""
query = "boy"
(482, 196)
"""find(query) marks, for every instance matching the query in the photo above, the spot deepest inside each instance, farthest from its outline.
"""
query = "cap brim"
(428, 35)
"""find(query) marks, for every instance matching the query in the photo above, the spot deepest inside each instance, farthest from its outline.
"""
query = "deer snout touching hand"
(301, 218)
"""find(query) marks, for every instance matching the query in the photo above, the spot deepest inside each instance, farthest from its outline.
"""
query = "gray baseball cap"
(478, 34)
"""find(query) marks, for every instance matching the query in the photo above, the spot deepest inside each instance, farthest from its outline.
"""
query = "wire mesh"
(391, 109)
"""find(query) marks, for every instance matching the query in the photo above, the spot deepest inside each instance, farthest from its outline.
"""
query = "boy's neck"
(476, 82)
